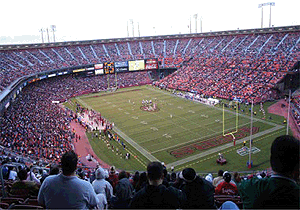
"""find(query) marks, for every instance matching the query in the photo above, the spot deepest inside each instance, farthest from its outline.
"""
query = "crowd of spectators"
(247, 69)
(257, 55)
(34, 126)
(295, 108)
(77, 187)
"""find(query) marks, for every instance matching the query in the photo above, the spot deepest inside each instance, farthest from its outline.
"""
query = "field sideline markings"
(229, 150)
(128, 139)
(270, 131)
(233, 112)
(193, 140)
(142, 150)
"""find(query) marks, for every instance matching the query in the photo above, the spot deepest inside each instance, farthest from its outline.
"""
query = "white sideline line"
(191, 141)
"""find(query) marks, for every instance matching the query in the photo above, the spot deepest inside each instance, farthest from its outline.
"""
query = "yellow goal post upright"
(236, 122)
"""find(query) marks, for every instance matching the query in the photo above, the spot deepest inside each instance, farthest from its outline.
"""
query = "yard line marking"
(259, 135)
(193, 140)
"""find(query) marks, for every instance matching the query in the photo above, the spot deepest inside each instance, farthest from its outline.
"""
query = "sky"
(22, 20)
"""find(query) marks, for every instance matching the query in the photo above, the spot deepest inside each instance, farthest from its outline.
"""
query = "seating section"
(34, 129)
(256, 59)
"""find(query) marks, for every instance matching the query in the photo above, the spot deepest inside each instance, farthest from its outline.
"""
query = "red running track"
(83, 147)
(283, 111)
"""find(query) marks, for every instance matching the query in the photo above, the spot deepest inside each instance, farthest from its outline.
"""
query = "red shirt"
(225, 188)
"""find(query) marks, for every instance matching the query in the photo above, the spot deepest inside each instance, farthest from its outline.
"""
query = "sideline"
(222, 147)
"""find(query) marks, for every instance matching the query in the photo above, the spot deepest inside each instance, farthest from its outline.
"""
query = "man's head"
(220, 172)
(112, 170)
(227, 176)
(69, 163)
(155, 171)
(22, 174)
(285, 155)
(188, 174)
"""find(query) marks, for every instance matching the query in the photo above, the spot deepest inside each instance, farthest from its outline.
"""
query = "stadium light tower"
(48, 35)
(42, 32)
(139, 29)
(196, 16)
(190, 24)
(262, 13)
(131, 22)
(53, 28)
(201, 24)
(127, 30)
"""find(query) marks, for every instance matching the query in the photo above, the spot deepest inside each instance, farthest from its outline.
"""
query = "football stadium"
(209, 104)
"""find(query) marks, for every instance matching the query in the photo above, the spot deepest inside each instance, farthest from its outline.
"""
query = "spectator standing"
(113, 177)
(156, 195)
(199, 192)
(280, 190)
(101, 186)
(66, 190)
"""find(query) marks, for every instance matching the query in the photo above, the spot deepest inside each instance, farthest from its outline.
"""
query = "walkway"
(83, 147)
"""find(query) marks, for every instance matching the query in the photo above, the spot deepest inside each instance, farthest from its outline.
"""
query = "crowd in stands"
(246, 69)
(34, 126)
(69, 186)
(295, 108)
(256, 62)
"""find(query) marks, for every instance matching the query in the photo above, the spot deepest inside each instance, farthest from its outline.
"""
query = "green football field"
(180, 132)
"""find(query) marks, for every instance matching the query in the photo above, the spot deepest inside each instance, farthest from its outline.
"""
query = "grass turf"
(178, 124)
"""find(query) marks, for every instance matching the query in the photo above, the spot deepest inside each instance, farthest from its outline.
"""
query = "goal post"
(236, 122)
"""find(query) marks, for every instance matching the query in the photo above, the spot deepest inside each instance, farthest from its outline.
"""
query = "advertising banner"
(151, 64)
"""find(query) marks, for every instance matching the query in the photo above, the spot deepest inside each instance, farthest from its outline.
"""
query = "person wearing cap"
(66, 190)
(101, 186)
(113, 177)
(155, 195)
(281, 190)
(199, 192)
(226, 187)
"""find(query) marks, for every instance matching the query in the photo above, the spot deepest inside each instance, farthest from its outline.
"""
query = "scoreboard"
(109, 68)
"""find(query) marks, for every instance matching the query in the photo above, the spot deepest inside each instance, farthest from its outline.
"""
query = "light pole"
(131, 21)
(201, 24)
(190, 24)
(48, 35)
(42, 32)
(262, 13)
(196, 16)
(127, 30)
(53, 28)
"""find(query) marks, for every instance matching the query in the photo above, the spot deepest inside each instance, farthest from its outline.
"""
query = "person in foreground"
(280, 191)
(155, 195)
(199, 192)
(66, 190)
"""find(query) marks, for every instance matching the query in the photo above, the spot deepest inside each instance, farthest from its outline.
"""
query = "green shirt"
(277, 192)
(24, 188)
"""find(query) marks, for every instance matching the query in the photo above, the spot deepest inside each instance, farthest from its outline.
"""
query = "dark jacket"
(124, 192)
(158, 197)
(199, 194)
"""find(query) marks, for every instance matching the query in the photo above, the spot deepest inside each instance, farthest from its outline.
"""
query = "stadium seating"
(234, 66)
(260, 60)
